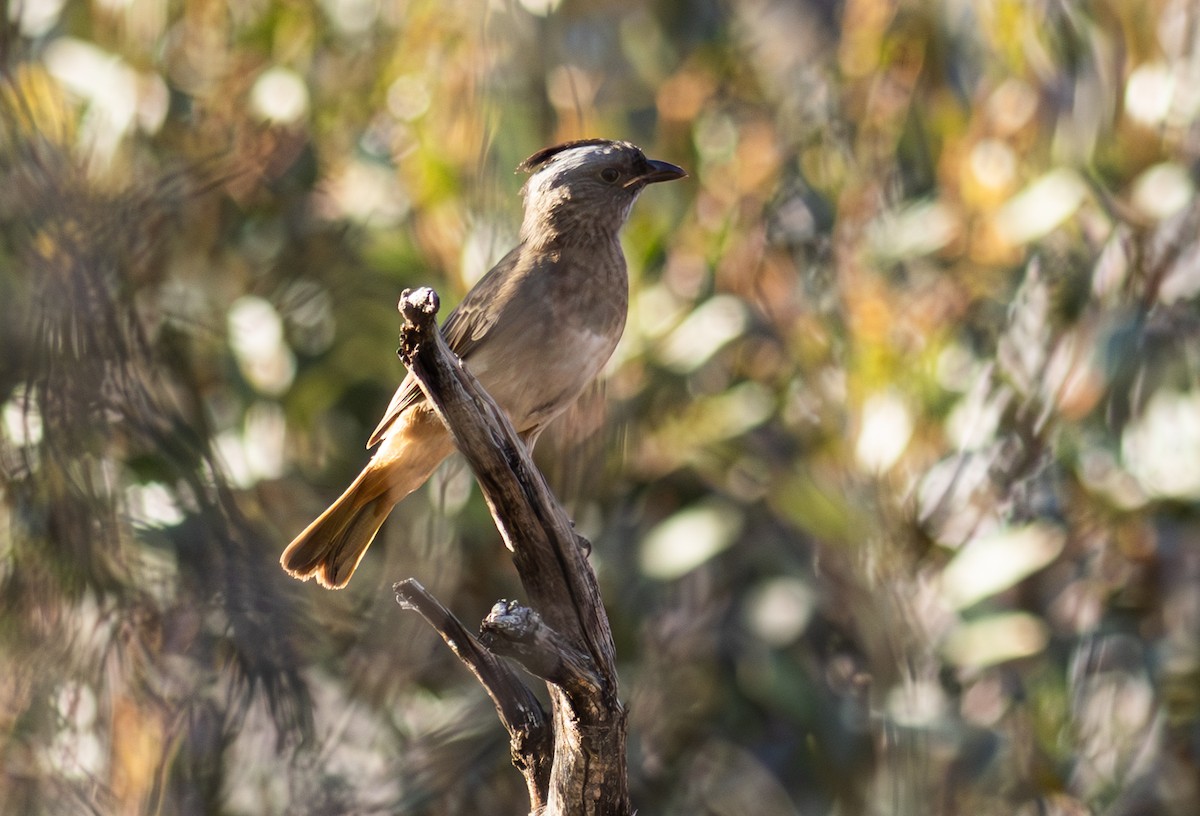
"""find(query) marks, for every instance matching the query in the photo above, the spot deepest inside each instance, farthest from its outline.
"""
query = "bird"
(535, 331)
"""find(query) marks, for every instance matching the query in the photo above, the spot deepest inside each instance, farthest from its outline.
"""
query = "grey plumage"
(535, 331)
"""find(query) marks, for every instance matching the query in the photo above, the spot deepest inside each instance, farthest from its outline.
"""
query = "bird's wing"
(408, 394)
(472, 319)
(463, 330)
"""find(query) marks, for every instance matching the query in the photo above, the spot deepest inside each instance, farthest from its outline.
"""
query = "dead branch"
(563, 636)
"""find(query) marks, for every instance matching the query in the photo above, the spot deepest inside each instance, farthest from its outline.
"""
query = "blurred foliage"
(895, 497)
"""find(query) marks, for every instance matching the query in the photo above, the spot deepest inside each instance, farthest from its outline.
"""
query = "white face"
(594, 180)
(569, 161)
(581, 192)
(587, 169)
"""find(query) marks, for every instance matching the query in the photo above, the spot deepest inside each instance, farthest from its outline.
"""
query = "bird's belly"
(537, 379)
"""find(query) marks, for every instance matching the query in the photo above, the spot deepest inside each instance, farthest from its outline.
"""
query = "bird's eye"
(609, 175)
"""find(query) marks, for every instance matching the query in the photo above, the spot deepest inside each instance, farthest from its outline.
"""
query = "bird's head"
(582, 191)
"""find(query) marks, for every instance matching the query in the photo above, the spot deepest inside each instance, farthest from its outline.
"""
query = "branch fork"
(573, 758)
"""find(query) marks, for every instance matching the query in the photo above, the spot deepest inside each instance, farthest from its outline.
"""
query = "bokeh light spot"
(1148, 93)
(996, 639)
(35, 18)
(1042, 206)
(992, 563)
(256, 336)
(1163, 190)
(279, 95)
(703, 333)
(1161, 448)
(689, 538)
(885, 431)
(780, 609)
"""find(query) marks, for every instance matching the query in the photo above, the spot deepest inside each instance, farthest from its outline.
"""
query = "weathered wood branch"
(530, 735)
(518, 632)
(569, 642)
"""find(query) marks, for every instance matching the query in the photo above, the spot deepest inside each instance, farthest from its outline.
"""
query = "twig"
(520, 712)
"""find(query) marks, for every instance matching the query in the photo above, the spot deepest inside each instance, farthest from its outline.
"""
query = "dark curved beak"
(659, 171)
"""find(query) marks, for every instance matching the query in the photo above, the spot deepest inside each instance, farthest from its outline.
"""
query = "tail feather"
(331, 547)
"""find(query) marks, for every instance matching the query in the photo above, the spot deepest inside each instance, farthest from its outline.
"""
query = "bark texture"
(574, 758)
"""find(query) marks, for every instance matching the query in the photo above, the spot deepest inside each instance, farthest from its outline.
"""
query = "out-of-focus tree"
(895, 501)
